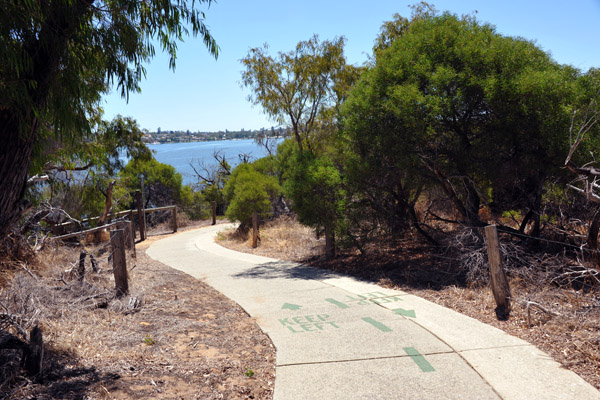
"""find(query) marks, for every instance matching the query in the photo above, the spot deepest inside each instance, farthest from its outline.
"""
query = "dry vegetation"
(555, 307)
(173, 337)
(284, 239)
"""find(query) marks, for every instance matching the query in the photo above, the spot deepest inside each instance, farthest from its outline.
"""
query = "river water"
(180, 155)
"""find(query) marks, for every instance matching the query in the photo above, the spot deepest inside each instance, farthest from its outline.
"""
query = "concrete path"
(341, 338)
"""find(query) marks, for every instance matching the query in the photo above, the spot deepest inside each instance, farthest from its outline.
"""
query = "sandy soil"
(183, 341)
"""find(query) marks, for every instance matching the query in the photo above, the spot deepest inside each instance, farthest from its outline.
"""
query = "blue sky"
(204, 94)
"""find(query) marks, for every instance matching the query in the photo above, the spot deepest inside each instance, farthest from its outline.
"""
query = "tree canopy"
(299, 86)
(58, 57)
(249, 191)
(451, 102)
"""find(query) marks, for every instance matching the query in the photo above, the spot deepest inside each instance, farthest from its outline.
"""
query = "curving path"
(341, 338)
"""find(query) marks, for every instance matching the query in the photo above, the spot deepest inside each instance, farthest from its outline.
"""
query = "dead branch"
(28, 271)
(95, 296)
(528, 304)
(62, 168)
(37, 178)
(588, 174)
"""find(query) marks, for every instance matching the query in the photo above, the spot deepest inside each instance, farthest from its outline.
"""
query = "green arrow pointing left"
(288, 306)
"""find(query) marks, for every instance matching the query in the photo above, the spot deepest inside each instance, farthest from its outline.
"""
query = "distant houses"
(163, 136)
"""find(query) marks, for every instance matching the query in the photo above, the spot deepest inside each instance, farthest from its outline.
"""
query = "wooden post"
(128, 235)
(132, 224)
(140, 209)
(254, 230)
(131, 230)
(214, 212)
(174, 220)
(34, 354)
(500, 286)
(119, 262)
(124, 226)
(81, 269)
(94, 263)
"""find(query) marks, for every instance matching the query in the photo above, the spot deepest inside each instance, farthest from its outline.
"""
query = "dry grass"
(183, 340)
(551, 314)
(284, 238)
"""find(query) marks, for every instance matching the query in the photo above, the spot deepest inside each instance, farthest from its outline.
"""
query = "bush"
(249, 191)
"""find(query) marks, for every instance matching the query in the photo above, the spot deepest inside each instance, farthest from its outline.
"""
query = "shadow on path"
(286, 270)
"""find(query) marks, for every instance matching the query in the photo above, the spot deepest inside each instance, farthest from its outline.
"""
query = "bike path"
(341, 338)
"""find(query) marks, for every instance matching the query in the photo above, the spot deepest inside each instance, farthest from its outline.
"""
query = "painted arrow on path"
(405, 313)
(288, 306)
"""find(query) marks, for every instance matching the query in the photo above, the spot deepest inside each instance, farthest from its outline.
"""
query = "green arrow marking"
(288, 306)
(377, 324)
(337, 303)
(419, 359)
(405, 313)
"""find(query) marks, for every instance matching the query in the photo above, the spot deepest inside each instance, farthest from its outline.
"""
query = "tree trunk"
(417, 225)
(107, 203)
(472, 204)
(15, 154)
(592, 237)
(526, 221)
(329, 243)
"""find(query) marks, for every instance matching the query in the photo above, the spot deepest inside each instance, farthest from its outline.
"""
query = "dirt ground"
(562, 321)
(173, 337)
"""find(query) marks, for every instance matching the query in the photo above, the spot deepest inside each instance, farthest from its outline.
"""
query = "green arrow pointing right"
(405, 313)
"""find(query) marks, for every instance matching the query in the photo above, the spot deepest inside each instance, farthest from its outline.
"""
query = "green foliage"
(162, 183)
(193, 204)
(148, 341)
(79, 174)
(449, 101)
(249, 191)
(57, 58)
(512, 214)
(298, 87)
(314, 185)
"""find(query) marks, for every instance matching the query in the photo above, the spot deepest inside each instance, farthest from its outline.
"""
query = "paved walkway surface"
(341, 338)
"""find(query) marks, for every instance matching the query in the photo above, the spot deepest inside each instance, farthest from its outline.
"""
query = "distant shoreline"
(210, 140)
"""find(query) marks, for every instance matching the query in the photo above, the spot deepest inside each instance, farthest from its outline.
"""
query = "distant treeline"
(169, 136)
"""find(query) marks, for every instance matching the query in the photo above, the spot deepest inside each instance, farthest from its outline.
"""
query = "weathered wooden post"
(140, 210)
(128, 235)
(174, 219)
(94, 263)
(123, 226)
(81, 268)
(500, 286)
(132, 222)
(119, 262)
(214, 212)
(254, 230)
(34, 353)
(131, 230)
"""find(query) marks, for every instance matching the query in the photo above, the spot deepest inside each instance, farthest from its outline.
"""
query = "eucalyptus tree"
(296, 88)
(450, 102)
(58, 57)
(303, 89)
